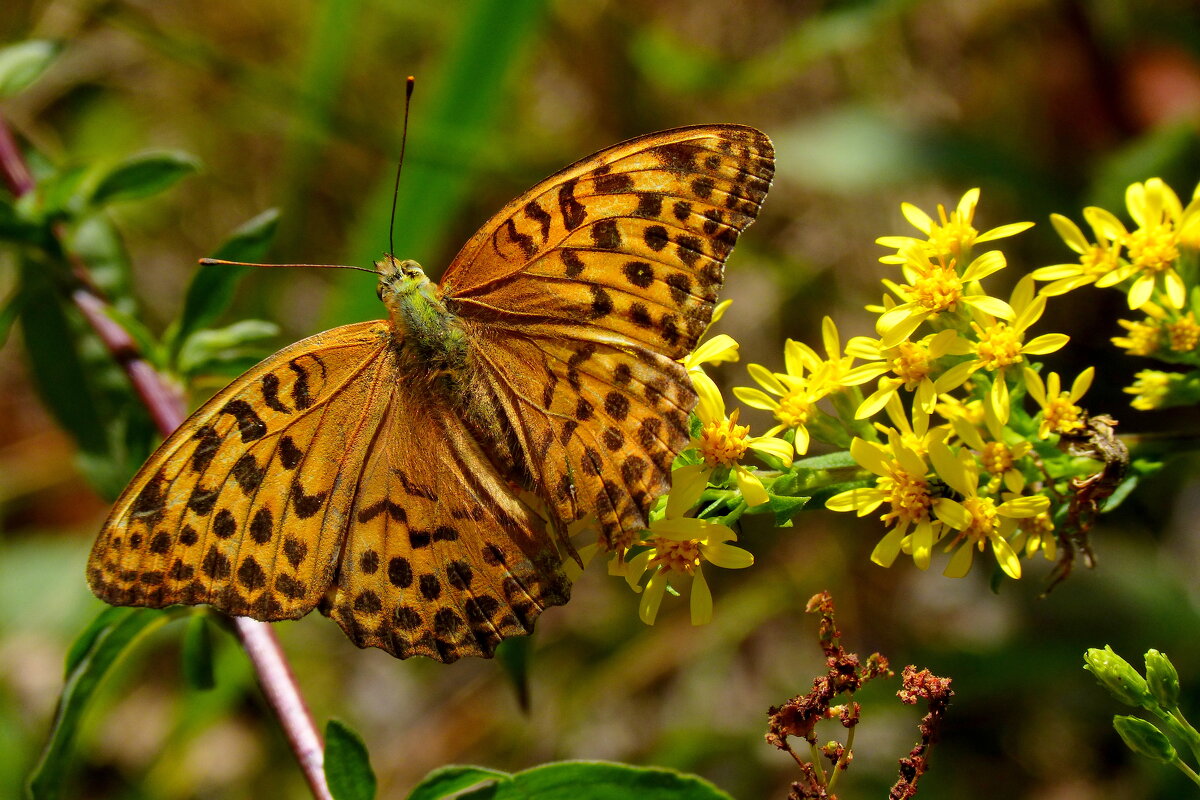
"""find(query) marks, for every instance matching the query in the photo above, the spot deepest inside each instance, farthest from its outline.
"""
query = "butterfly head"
(399, 280)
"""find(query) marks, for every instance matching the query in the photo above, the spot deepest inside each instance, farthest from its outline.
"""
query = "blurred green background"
(1048, 106)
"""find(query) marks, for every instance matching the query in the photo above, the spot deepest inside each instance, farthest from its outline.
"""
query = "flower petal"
(687, 484)
(750, 486)
(652, 598)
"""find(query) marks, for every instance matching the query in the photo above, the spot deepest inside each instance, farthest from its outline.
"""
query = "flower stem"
(166, 409)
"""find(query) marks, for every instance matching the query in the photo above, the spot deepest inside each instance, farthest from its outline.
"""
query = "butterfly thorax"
(423, 325)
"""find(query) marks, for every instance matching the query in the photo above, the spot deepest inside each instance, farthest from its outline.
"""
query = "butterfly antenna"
(408, 90)
(220, 262)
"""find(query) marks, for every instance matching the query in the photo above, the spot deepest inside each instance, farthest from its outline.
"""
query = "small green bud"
(1115, 674)
(1145, 739)
(1162, 679)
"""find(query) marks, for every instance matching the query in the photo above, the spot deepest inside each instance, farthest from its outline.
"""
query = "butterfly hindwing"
(442, 559)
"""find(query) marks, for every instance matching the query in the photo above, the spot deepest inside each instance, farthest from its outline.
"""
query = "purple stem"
(166, 408)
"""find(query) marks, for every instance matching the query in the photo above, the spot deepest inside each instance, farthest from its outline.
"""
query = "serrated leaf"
(99, 648)
(212, 287)
(197, 653)
(347, 763)
(142, 176)
(447, 781)
(785, 508)
(22, 63)
(839, 460)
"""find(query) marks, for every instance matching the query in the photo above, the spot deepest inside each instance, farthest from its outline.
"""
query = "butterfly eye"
(379, 291)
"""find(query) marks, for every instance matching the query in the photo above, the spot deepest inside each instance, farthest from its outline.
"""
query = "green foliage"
(566, 780)
(22, 63)
(95, 653)
(142, 176)
(347, 763)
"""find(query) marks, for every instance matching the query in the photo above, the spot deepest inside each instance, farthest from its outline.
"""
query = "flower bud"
(1145, 739)
(1162, 679)
(1115, 674)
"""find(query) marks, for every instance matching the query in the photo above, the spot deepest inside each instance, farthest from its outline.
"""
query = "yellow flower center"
(954, 236)
(1098, 260)
(795, 407)
(1184, 334)
(908, 495)
(676, 556)
(999, 346)
(910, 363)
(983, 517)
(1152, 249)
(724, 443)
(938, 290)
(1061, 414)
(997, 458)
(1142, 339)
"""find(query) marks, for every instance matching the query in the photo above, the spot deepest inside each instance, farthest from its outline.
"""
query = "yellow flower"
(722, 443)
(1151, 247)
(1095, 260)
(676, 548)
(934, 288)
(1150, 389)
(998, 456)
(1142, 338)
(718, 350)
(999, 345)
(977, 518)
(1036, 533)
(911, 365)
(829, 374)
(952, 234)
(797, 395)
(1060, 414)
(903, 484)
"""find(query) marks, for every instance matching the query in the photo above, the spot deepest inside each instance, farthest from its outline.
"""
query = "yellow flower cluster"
(947, 348)
(1155, 264)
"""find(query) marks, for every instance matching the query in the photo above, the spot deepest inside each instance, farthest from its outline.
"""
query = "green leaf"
(447, 781)
(785, 508)
(142, 176)
(9, 311)
(211, 290)
(95, 240)
(839, 460)
(347, 763)
(215, 345)
(197, 653)
(514, 656)
(97, 650)
(570, 780)
(22, 63)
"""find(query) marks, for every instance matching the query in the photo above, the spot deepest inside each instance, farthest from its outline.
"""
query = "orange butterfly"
(377, 471)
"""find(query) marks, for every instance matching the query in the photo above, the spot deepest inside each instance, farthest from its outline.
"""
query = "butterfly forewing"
(588, 286)
(243, 506)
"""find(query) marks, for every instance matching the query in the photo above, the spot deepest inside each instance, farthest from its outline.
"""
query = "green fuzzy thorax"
(424, 326)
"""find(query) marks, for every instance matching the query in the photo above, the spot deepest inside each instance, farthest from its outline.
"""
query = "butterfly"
(413, 478)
